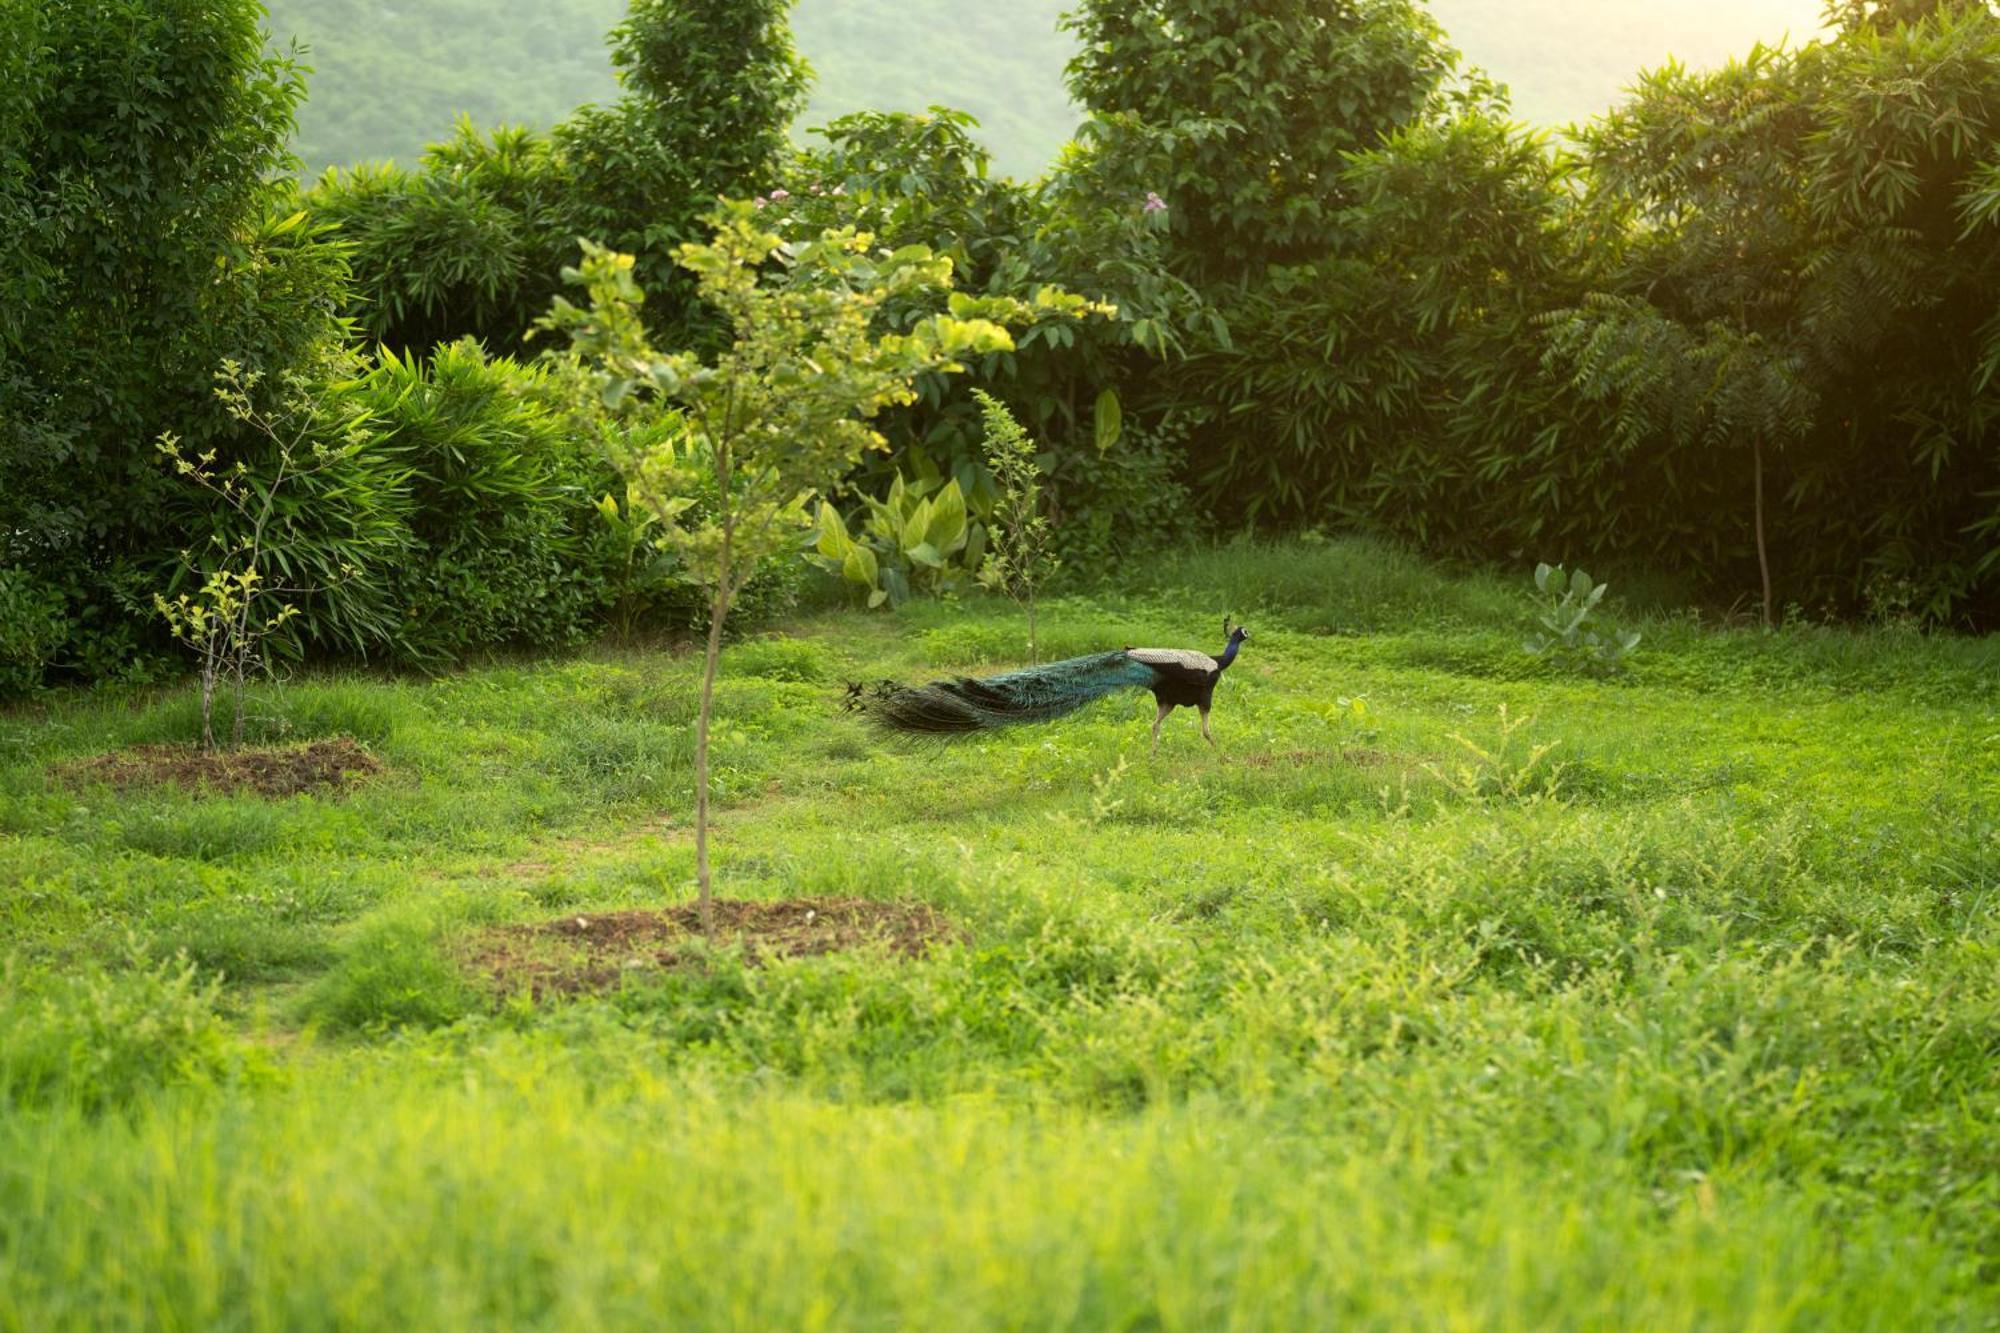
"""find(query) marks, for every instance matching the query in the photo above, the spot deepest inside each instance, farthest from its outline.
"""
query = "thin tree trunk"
(716, 613)
(236, 725)
(1763, 554)
(208, 677)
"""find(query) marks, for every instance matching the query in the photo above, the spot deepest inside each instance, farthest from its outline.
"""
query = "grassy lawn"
(1508, 999)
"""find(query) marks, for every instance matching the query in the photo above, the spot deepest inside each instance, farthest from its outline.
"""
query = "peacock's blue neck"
(1229, 653)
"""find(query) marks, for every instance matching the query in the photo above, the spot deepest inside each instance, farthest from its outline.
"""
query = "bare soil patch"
(321, 766)
(592, 951)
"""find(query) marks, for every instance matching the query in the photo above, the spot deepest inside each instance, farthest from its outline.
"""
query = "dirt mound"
(268, 771)
(592, 951)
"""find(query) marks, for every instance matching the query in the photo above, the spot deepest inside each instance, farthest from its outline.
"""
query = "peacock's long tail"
(1038, 694)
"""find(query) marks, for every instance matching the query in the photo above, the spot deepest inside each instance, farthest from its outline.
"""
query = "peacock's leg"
(1204, 729)
(1164, 710)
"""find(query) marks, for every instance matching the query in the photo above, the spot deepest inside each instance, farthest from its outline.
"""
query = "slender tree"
(728, 451)
(1707, 338)
(1020, 556)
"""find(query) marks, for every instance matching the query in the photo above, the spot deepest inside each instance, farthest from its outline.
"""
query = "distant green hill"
(390, 76)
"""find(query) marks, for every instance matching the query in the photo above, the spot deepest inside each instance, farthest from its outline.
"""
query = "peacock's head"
(1236, 635)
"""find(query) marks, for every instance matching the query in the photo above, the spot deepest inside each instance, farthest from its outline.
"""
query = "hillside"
(390, 77)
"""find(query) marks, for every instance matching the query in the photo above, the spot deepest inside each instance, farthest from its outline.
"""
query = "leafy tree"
(1707, 166)
(728, 452)
(141, 243)
(1397, 385)
(1902, 479)
(710, 90)
(1247, 112)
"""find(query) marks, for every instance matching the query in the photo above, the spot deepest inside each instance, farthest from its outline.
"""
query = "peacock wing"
(1180, 664)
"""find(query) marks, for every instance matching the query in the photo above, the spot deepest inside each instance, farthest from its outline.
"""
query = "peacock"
(1178, 678)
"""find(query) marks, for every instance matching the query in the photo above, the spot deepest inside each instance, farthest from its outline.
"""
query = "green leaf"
(860, 566)
(1110, 420)
(916, 527)
(833, 539)
(947, 526)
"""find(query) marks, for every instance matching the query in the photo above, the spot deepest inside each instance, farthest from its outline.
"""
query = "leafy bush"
(470, 244)
(145, 236)
(32, 627)
(500, 505)
(1112, 506)
(98, 1039)
(1567, 639)
(918, 538)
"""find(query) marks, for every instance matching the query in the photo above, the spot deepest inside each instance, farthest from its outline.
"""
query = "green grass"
(1379, 1018)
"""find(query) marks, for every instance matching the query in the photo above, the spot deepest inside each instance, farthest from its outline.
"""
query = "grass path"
(1372, 1019)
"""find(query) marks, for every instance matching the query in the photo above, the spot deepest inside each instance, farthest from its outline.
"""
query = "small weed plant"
(1022, 556)
(1567, 602)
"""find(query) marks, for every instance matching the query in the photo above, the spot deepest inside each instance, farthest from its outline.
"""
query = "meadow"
(1451, 991)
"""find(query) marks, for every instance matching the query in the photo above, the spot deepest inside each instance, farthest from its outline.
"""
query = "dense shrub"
(1508, 352)
(473, 241)
(99, 1039)
(32, 627)
(470, 244)
(923, 180)
(501, 504)
(141, 242)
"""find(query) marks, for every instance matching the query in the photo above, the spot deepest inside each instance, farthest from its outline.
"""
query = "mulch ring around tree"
(320, 766)
(594, 951)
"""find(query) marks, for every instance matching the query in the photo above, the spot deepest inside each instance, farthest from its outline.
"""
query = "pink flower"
(777, 195)
(760, 201)
(1155, 204)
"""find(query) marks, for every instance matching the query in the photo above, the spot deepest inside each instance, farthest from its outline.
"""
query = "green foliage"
(32, 627)
(97, 1039)
(1397, 385)
(470, 243)
(500, 506)
(779, 415)
(1725, 294)
(244, 596)
(640, 571)
(709, 88)
(923, 180)
(1022, 558)
(767, 432)
(142, 242)
(1568, 600)
(917, 538)
(1246, 117)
